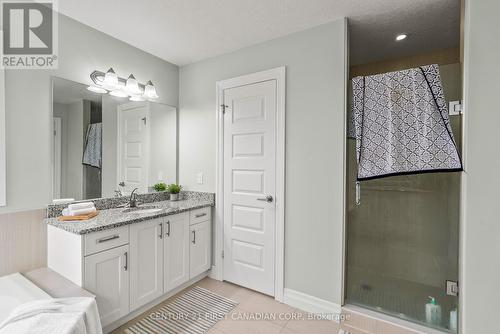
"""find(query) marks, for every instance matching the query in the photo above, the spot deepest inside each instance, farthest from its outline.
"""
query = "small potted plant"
(160, 186)
(174, 190)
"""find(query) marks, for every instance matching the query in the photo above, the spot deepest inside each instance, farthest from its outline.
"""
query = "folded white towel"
(69, 212)
(62, 200)
(82, 205)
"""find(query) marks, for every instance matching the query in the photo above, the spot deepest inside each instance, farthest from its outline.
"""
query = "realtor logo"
(29, 39)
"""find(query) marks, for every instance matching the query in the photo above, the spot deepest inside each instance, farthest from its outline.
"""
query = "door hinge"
(451, 288)
(455, 108)
(222, 254)
(223, 106)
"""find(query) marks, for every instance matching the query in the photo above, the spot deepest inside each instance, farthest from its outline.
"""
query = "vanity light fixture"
(118, 93)
(132, 86)
(121, 87)
(96, 89)
(137, 98)
(401, 37)
(150, 91)
(110, 78)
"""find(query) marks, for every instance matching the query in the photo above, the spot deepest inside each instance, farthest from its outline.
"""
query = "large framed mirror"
(105, 146)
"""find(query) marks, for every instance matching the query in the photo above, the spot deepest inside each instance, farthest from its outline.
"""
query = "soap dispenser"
(433, 312)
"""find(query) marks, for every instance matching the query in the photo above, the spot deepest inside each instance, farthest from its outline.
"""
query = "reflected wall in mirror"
(104, 145)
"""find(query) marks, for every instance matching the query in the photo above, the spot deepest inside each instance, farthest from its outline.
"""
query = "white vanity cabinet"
(200, 242)
(146, 262)
(134, 265)
(107, 276)
(176, 251)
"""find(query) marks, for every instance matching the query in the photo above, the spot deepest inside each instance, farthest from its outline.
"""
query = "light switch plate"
(199, 178)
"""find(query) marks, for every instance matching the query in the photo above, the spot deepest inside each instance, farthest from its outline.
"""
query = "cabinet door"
(146, 262)
(176, 251)
(107, 276)
(199, 253)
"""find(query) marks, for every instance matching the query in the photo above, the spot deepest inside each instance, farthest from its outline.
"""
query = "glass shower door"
(402, 243)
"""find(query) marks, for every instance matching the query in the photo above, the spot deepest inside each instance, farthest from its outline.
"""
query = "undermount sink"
(143, 210)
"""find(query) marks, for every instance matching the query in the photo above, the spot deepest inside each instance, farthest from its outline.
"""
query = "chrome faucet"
(133, 199)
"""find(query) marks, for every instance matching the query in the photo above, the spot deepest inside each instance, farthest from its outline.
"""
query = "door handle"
(268, 199)
(168, 228)
(194, 237)
(161, 231)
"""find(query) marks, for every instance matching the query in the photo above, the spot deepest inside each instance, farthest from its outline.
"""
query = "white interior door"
(133, 146)
(249, 185)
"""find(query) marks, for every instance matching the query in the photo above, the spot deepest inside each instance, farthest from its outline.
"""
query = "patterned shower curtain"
(401, 124)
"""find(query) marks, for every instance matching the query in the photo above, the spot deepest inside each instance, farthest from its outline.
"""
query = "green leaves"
(174, 188)
(160, 186)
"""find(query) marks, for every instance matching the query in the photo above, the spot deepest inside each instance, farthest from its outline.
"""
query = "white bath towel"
(62, 200)
(82, 205)
(61, 316)
(69, 212)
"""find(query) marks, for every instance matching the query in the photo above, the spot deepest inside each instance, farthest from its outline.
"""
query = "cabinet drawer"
(200, 215)
(102, 240)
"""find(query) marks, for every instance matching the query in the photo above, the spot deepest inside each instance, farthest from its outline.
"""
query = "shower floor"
(397, 297)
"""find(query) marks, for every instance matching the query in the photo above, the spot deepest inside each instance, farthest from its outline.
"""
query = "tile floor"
(254, 304)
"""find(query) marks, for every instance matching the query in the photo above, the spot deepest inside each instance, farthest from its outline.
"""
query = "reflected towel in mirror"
(92, 155)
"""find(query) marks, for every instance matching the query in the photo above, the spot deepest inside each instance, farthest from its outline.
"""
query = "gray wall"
(316, 63)
(29, 107)
(109, 144)
(481, 222)
(163, 145)
(60, 110)
(74, 169)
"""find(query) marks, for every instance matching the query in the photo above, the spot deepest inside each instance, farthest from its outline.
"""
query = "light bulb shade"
(150, 91)
(118, 93)
(96, 89)
(137, 98)
(110, 78)
(132, 86)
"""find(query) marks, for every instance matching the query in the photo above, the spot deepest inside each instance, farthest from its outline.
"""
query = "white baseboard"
(312, 304)
(214, 274)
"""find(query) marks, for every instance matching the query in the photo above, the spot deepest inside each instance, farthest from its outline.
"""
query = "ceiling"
(187, 31)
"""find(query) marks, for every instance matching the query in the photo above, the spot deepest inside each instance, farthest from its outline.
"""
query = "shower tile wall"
(402, 241)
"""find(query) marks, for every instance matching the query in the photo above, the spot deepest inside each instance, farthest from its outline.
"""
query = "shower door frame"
(462, 145)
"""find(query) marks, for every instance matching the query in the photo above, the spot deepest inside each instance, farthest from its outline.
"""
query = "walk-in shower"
(403, 237)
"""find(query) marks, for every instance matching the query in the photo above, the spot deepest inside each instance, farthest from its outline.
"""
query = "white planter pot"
(174, 197)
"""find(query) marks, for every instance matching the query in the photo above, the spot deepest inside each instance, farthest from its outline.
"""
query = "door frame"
(278, 74)
(57, 157)
(119, 110)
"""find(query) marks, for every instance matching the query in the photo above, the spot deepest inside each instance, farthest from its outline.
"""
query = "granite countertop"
(111, 218)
